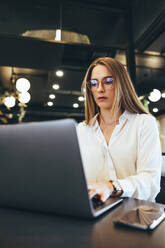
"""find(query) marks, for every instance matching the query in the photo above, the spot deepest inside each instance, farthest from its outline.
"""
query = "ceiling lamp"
(22, 84)
(155, 110)
(9, 101)
(59, 73)
(52, 96)
(163, 95)
(155, 95)
(81, 98)
(50, 104)
(59, 34)
(24, 97)
(75, 105)
(55, 86)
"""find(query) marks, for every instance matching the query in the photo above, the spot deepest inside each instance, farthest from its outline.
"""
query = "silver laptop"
(41, 169)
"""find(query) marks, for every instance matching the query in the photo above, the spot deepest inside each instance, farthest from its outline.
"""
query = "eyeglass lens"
(105, 81)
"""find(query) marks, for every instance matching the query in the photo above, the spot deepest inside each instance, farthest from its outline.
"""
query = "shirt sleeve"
(145, 185)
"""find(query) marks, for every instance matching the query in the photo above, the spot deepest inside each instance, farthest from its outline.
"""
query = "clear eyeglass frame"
(93, 84)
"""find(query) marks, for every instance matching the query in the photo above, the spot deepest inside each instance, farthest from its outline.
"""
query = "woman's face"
(102, 87)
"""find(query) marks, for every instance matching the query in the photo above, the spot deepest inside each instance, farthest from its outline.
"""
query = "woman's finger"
(105, 195)
(92, 186)
(92, 193)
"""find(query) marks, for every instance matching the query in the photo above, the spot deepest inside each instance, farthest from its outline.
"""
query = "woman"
(119, 140)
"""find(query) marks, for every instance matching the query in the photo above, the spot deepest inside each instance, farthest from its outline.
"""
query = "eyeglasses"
(94, 83)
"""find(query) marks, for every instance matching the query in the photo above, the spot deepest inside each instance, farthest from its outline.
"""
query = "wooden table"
(29, 229)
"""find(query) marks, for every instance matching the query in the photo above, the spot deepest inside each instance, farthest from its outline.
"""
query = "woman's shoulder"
(82, 126)
(146, 121)
(141, 119)
(84, 131)
(145, 117)
(92, 123)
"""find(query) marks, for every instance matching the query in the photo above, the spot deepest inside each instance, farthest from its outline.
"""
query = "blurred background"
(46, 47)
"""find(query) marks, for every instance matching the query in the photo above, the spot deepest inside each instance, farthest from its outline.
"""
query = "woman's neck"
(107, 118)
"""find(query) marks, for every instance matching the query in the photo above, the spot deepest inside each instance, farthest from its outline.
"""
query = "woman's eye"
(93, 83)
(108, 80)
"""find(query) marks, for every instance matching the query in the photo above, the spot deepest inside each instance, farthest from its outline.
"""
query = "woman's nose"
(100, 87)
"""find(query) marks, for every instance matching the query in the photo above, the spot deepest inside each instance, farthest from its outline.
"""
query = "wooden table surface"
(23, 229)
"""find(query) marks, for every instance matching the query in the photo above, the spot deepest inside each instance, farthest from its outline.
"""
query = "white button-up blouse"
(132, 157)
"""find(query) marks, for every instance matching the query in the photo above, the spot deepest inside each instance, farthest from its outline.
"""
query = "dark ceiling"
(131, 31)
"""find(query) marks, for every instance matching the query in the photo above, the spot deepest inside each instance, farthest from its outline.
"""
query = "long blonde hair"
(125, 95)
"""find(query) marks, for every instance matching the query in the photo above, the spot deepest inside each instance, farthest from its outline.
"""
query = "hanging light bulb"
(155, 110)
(58, 35)
(81, 98)
(55, 86)
(24, 97)
(163, 95)
(22, 84)
(50, 104)
(59, 31)
(75, 105)
(59, 73)
(52, 96)
(155, 95)
(9, 101)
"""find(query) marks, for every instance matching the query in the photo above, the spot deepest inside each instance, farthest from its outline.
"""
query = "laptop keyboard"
(96, 202)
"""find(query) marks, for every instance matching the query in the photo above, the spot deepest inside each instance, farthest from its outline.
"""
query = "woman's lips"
(102, 98)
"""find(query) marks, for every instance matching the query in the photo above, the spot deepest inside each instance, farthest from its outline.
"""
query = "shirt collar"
(126, 115)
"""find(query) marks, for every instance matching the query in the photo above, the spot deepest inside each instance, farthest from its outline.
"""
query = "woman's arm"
(146, 183)
(103, 189)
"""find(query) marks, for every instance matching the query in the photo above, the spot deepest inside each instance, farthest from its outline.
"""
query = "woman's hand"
(103, 189)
